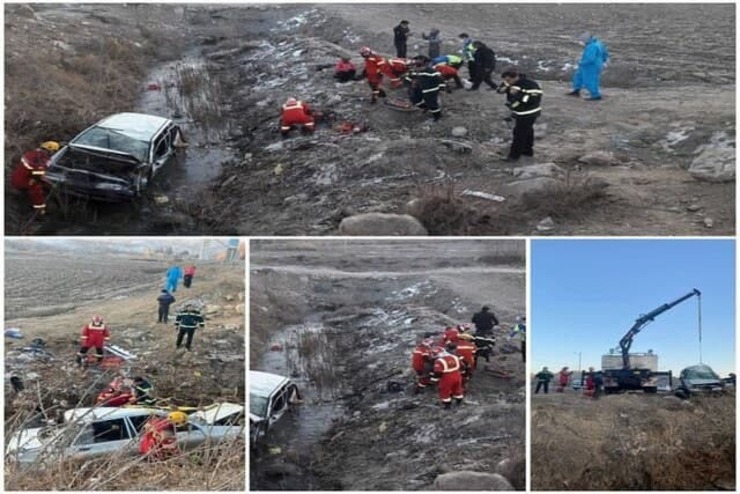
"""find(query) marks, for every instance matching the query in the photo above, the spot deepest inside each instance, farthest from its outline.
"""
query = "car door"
(279, 404)
(191, 436)
(162, 149)
(103, 438)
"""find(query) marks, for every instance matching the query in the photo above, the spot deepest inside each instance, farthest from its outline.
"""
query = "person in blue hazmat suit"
(174, 274)
(595, 56)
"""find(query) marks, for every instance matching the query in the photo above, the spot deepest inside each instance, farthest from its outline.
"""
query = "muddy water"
(308, 357)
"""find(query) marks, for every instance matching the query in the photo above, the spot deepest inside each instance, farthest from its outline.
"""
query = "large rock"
(535, 185)
(381, 224)
(211, 309)
(716, 160)
(598, 158)
(550, 170)
(459, 131)
(471, 481)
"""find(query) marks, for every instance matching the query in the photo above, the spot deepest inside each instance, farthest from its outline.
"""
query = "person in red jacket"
(94, 335)
(29, 174)
(296, 113)
(374, 67)
(447, 373)
(188, 276)
(466, 350)
(448, 73)
(395, 69)
(345, 70)
(159, 441)
(450, 335)
(421, 362)
(116, 394)
(563, 379)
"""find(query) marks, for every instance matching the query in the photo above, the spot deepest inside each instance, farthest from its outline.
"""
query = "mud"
(669, 93)
(345, 317)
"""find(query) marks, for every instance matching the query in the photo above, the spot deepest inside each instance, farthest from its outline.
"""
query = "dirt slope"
(346, 327)
(633, 442)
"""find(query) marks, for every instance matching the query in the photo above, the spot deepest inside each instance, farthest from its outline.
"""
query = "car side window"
(110, 430)
(138, 422)
(280, 402)
(162, 145)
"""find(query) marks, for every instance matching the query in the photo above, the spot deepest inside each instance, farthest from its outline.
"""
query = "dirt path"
(352, 433)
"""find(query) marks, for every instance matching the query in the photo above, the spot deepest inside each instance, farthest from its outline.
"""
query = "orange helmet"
(365, 51)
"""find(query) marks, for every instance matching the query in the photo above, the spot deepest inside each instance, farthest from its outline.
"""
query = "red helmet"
(97, 320)
(365, 51)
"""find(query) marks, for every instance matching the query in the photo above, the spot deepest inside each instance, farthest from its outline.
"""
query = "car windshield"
(696, 373)
(258, 405)
(115, 140)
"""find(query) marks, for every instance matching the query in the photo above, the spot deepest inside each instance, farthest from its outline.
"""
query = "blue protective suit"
(173, 277)
(588, 75)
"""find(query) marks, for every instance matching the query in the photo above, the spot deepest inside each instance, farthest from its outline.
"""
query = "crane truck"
(628, 377)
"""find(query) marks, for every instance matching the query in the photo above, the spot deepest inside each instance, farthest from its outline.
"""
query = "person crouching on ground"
(345, 70)
(296, 113)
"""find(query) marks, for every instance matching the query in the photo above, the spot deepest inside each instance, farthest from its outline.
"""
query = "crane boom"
(626, 342)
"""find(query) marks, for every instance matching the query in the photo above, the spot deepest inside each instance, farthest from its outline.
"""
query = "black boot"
(575, 92)
(447, 405)
(458, 401)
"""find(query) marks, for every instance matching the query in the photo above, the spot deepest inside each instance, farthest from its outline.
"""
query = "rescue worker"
(93, 335)
(450, 335)
(447, 374)
(435, 42)
(467, 51)
(116, 394)
(345, 70)
(28, 175)
(485, 63)
(395, 69)
(143, 392)
(484, 321)
(425, 85)
(563, 379)
(520, 329)
(594, 59)
(159, 441)
(421, 362)
(173, 277)
(188, 276)
(484, 347)
(400, 38)
(186, 322)
(523, 98)
(373, 71)
(165, 299)
(448, 72)
(467, 350)
(543, 380)
(296, 113)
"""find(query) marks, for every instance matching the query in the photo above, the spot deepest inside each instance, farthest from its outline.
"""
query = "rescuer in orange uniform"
(159, 441)
(374, 68)
(395, 69)
(29, 173)
(296, 113)
(466, 350)
(94, 335)
(447, 374)
(421, 362)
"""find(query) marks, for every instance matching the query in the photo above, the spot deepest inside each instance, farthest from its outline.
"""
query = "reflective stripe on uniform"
(299, 106)
(530, 112)
(446, 369)
(432, 90)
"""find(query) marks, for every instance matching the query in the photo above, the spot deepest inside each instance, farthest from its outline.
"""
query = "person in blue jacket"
(173, 277)
(595, 56)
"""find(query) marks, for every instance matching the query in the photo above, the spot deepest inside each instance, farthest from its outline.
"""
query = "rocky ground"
(51, 296)
(342, 318)
(633, 442)
(655, 157)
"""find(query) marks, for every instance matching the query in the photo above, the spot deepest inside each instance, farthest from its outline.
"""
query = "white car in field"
(270, 397)
(89, 433)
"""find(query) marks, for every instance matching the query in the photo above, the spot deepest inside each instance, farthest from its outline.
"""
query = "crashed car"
(698, 379)
(270, 397)
(116, 159)
(89, 433)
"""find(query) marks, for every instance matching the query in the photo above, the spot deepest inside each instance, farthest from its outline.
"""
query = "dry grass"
(572, 199)
(633, 442)
(440, 209)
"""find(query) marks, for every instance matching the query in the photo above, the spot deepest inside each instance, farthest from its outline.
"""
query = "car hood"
(25, 440)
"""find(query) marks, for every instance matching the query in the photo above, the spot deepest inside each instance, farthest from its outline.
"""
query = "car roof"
(105, 413)
(138, 126)
(264, 383)
(216, 412)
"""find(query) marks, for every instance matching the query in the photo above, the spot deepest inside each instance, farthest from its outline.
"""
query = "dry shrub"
(440, 210)
(570, 199)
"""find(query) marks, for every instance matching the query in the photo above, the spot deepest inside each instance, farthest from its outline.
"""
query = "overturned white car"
(270, 397)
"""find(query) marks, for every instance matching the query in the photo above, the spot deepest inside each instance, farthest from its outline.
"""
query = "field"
(617, 167)
(52, 294)
(345, 316)
(633, 442)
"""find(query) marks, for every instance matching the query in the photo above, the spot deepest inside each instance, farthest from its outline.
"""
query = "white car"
(102, 431)
(270, 397)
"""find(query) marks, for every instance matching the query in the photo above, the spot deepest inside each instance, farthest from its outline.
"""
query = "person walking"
(594, 59)
(543, 380)
(93, 335)
(484, 321)
(173, 277)
(523, 97)
(485, 63)
(400, 38)
(188, 276)
(165, 299)
(447, 373)
(186, 322)
(435, 42)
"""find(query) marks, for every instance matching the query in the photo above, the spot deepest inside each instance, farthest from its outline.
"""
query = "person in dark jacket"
(186, 322)
(400, 38)
(165, 299)
(143, 392)
(426, 83)
(523, 98)
(484, 321)
(435, 42)
(485, 64)
(543, 380)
